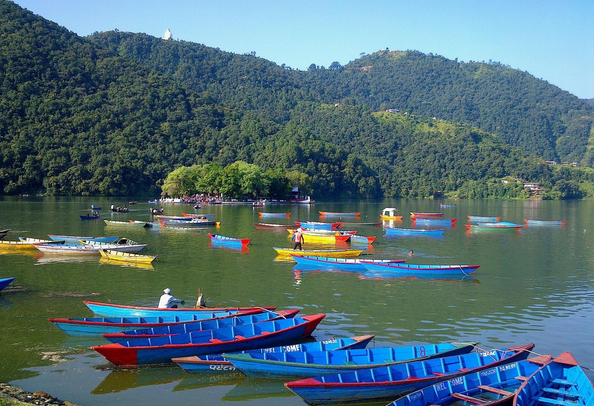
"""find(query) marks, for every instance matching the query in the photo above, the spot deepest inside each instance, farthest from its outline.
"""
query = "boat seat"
(238, 337)
(551, 401)
(469, 399)
(438, 374)
(561, 392)
(564, 382)
(521, 378)
(215, 341)
(495, 390)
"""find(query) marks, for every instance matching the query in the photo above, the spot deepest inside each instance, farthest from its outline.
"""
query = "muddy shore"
(13, 396)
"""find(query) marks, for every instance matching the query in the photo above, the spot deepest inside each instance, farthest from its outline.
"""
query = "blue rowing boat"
(229, 241)
(483, 219)
(422, 270)
(415, 232)
(184, 328)
(544, 222)
(87, 326)
(494, 386)
(343, 264)
(561, 382)
(433, 221)
(218, 363)
(113, 310)
(386, 383)
(4, 282)
(161, 350)
(77, 239)
(320, 363)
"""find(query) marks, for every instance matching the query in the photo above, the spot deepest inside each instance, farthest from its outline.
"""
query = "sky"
(552, 40)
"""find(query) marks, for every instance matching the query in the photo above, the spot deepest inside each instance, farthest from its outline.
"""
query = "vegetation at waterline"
(117, 113)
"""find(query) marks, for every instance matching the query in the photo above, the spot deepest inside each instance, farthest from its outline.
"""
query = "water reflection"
(257, 388)
(387, 275)
(203, 380)
(62, 259)
(120, 380)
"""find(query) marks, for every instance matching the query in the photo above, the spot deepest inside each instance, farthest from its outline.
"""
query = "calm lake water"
(535, 286)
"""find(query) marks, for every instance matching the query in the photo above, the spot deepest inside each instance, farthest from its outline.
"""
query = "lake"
(535, 286)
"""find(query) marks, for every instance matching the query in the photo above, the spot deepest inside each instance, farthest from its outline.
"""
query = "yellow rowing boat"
(127, 256)
(287, 252)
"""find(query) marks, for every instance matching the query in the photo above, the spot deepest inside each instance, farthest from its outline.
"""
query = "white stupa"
(168, 35)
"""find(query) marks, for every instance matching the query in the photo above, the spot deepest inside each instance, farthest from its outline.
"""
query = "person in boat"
(297, 239)
(113, 207)
(167, 301)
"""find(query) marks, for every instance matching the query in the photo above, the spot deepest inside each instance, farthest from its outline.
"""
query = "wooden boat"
(217, 363)
(447, 205)
(39, 240)
(343, 264)
(306, 200)
(378, 223)
(545, 222)
(129, 223)
(320, 363)
(190, 222)
(390, 213)
(493, 386)
(93, 207)
(491, 227)
(113, 310)
(90, 216)
(318, 225)
(230, 241)
(415, 269)
(195, 215)
(268, 214)
(483, 219)
(415, 232)
(88, 326)
(3, 233)
(274, 226)
(75, 238)
(387, 383)
(115, 255)
(562, 382)
(361, 239)
(161, 350)
(339, 214)
(8, 245)
(419, 215)
(86, 247)
(4, 282)
(434, 221)
(185, 328)
(346, 253)
(313, 237)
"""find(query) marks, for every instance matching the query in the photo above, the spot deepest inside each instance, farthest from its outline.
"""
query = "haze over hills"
(114, 113)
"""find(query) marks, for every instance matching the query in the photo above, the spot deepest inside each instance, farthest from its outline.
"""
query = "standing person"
(297, 239)
(167, 301)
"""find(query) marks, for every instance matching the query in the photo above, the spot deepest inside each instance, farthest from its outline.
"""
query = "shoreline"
(13, 396)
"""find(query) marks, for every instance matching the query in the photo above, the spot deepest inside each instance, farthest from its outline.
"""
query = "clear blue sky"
(550, 39)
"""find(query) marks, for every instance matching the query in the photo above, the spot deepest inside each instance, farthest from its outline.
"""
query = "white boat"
(87, 247)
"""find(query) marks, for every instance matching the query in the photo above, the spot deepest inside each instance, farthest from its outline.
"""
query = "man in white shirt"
(167, 301)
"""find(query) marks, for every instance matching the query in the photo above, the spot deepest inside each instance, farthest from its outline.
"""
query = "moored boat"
(361, 239)
(420, 215)
(344, 264)
(161, 350)
(4, 282)
(483, 219)
(346, 253)
(8, 245)
(218, 363)
(386, 383)
(428, 221)
(274, 226)
(115, 310)
(390, 213)
(545, 222)
(416, 269)
(332, 237)
(493, 386)
(115, 255)
(129, 223)
(320, 363)
(339, 214)
(499, 226)
(270, 214)
(318, 225)
(230, 241)
(185, 328)
(562, 382)
(417, 232)
(75, 238)
(86, 326)
(86, 247)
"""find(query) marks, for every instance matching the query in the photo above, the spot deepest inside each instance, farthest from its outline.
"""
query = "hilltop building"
(168, 36)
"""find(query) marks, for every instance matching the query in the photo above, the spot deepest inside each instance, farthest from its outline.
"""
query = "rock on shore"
(13, 396)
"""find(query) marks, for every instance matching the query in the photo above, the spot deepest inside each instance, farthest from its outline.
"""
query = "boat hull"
(111, 310)
(290, 253)
(345, 264)
(4, 282)
(415, 269)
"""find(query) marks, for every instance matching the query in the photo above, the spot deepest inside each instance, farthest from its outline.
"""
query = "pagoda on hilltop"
(168, 35)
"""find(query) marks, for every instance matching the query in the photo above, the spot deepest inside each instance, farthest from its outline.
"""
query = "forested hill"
(114, 113)
(524, 111)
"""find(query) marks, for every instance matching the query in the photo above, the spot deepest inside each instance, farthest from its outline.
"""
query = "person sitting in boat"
(167, 301)
(297, 239)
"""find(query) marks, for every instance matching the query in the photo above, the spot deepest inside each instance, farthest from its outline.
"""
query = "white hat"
(167, 290)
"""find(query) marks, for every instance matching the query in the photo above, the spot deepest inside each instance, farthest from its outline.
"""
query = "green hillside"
(115, 113)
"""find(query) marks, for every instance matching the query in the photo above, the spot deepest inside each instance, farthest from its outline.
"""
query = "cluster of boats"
(265, 342)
